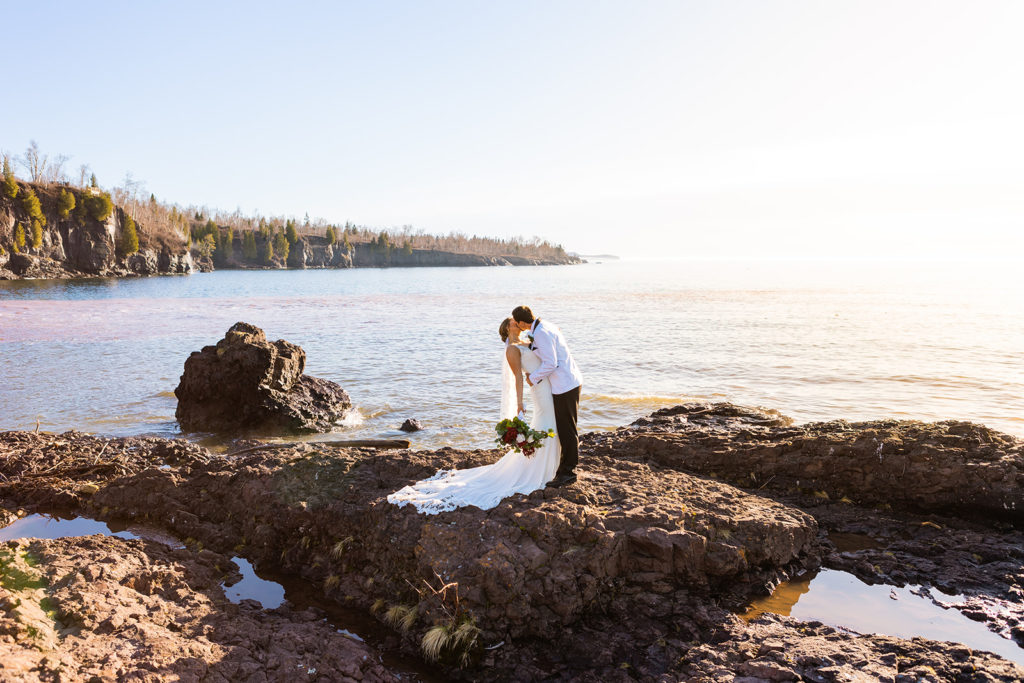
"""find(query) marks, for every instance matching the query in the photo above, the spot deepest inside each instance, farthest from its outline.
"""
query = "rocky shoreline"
(635, 573)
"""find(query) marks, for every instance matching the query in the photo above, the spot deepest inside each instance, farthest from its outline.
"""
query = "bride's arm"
(515, 361)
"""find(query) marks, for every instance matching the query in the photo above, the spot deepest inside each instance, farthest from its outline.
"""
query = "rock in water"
(411, 425)
(247, 383)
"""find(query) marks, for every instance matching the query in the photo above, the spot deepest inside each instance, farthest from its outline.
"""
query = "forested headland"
(54, 225)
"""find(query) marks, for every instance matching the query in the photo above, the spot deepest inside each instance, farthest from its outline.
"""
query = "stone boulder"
(246, 383)
(411, 425)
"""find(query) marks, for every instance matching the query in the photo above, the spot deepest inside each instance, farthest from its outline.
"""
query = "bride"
(486, 486)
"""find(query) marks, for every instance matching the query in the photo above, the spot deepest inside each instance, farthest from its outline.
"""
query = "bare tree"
(83, 173)
(54, 171)
(131, 189)
(34, 162)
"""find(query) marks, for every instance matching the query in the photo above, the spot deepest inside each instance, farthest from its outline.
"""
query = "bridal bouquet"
(514, 433)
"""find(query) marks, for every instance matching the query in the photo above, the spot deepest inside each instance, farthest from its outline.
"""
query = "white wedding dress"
(486, 486)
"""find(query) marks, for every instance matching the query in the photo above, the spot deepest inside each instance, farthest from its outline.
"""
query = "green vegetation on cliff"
(129, 243)
(66, 203)
(99, 206)
(10, 185)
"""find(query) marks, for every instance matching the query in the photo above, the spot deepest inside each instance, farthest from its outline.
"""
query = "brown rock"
(248, 383)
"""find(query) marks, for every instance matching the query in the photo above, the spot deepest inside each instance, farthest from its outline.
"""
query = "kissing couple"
(537, 355)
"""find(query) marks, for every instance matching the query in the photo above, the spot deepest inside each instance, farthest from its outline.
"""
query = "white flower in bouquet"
(521, 438)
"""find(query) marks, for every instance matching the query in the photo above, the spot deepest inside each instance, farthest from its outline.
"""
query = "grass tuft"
(435, 640)
(339, 548)
(401, 616)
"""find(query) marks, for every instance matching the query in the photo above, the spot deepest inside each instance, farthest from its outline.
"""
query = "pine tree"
(10, 185)
(129, 237)
(345, 243)
(92, 181)
(30, 202)
(19, 238)
(407, 248)
(225, 246)
(268, 252)
(281, 246)
(249, 250)
(331, 235)
(290, 232)
(65, 203)
(37, 233)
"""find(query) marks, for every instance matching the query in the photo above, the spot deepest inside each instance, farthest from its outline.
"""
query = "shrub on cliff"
(129, 243)
(331, 235)
(19, 238)
(37, 233)
(281, 246)
(30, 202)
(99, 206)
(65, 203)
(10, 185)
(206, 246)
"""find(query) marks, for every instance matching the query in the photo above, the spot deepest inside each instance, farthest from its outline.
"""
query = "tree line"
(263, 238)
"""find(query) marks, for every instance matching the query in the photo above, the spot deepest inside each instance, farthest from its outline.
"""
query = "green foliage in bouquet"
(514, 433)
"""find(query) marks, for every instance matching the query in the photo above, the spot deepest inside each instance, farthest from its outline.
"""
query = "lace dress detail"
(486, 486)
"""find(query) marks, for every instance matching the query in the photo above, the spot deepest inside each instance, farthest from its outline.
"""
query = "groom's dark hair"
(522, 314)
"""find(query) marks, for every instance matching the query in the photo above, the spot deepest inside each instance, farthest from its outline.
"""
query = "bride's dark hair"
(503, 328)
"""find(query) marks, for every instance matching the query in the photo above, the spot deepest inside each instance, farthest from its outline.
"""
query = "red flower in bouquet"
(516, 433)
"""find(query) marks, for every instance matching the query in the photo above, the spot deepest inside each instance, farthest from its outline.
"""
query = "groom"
(557, 367)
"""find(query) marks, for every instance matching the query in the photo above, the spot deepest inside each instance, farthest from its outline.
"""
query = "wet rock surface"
(937, 466)
(96, 608)
(245, 383)
(628, 575)
(775, 648)
(983, 563)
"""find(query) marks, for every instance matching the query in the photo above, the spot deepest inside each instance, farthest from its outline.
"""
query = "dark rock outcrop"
(935, 466)
(246, 383)
(79, 246)
(411, 425)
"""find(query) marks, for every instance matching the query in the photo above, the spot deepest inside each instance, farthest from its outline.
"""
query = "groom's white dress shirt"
(556, 363)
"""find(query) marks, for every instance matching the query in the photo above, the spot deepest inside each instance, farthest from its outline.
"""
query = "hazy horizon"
(748, 130)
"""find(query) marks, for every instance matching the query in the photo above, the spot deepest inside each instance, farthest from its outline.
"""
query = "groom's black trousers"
(567, 407)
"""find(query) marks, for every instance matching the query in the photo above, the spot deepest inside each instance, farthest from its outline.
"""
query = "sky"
(761, 129)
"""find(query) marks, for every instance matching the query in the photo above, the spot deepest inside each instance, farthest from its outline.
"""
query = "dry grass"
(401, 616)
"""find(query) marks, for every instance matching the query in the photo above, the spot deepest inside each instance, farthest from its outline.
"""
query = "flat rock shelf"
(634, 573)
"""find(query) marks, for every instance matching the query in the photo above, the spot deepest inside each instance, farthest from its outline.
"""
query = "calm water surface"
(814, 341)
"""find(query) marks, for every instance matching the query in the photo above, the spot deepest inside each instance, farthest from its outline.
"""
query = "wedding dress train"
(486, 486)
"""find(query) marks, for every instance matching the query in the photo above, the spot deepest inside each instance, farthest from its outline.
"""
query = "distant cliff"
(44, 238)
(311, 251)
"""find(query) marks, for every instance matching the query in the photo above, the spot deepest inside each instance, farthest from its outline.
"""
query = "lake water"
(812, 340)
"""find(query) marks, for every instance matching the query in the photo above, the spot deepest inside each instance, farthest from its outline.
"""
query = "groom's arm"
(544, 345)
